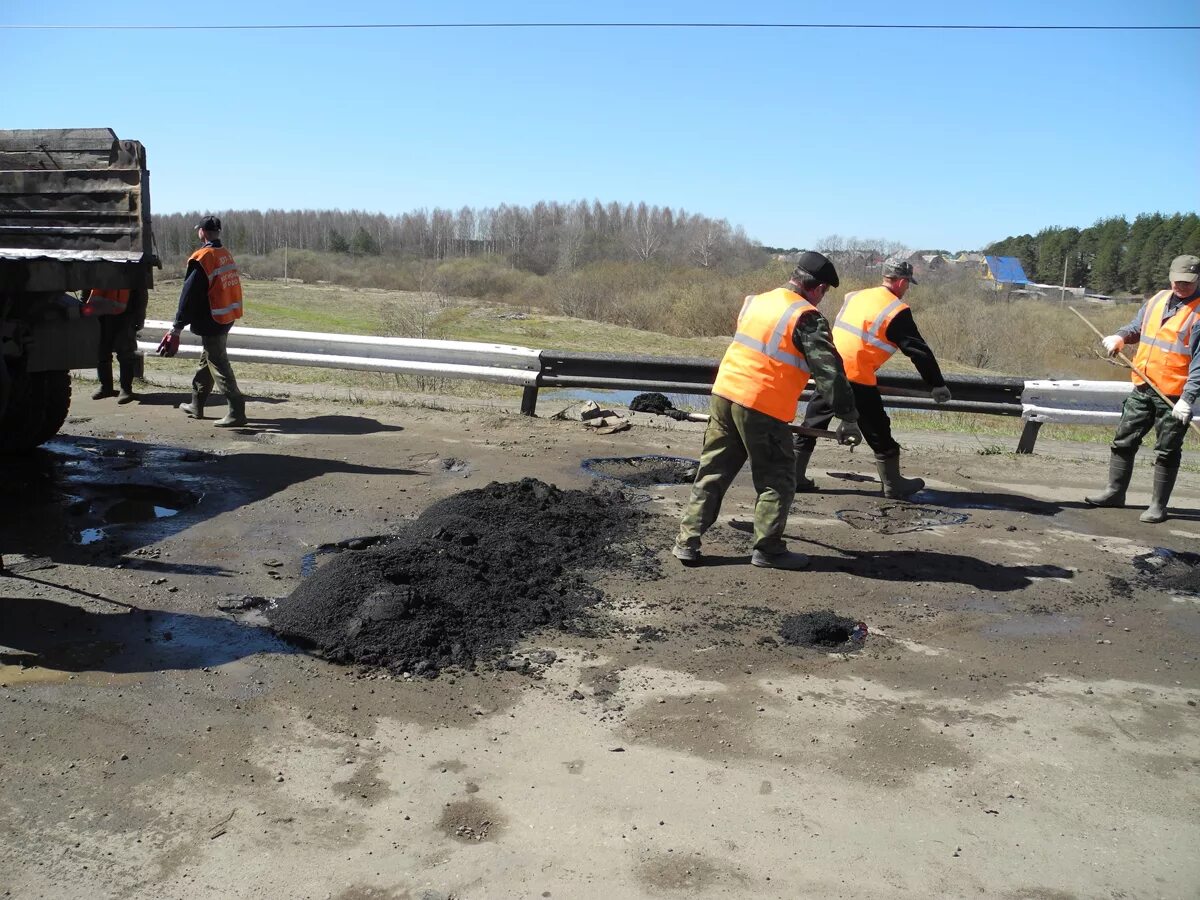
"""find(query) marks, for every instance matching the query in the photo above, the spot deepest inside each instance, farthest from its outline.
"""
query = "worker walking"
(119, 320)
(781, 341)
(870, 327)
(1167, 332)
(210, 302)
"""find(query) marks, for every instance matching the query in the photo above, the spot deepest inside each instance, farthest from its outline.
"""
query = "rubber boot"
(127, 395)
(895, 485)
(804, 484)
(105, 374)
(1160, 495)
(784, 559)
(195, 409)
(1120, 471)
(236, 416)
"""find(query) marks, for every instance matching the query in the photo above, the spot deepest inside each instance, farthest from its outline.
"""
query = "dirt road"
(1021, 721)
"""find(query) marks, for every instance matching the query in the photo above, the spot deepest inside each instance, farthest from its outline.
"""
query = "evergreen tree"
(363, 243)
(337, 243)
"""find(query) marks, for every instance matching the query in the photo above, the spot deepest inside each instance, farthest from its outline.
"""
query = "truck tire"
(24, 420)
(56, 401)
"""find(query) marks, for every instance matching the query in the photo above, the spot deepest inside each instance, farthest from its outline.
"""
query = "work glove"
(940, 394)
(1113, 344)
(169, 345)
(849, 434)
(1182, 410)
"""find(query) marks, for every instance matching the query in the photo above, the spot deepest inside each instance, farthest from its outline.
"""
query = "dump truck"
(74, 216)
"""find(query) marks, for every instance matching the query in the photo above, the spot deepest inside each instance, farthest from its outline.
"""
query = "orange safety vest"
(105, 302)
(1165, 348)
(224, 286)
(763, 369)
(860, 332)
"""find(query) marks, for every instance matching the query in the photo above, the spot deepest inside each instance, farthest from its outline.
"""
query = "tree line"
(541, 238)
(1112, 256)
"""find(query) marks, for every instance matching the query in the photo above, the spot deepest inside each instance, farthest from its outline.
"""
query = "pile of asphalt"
(643, 471)
(659, 404)
(471, 576)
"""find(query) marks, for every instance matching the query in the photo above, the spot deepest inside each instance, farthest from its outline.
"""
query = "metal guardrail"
(1037, 402)
(405, 356)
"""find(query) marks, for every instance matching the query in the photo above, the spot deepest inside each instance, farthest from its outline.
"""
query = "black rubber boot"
(1120, 471)
(195, 409)
(105, 374)
(236, 417)
(127, 395)
(804, 484)
(1160, 496)
(895, 485)
(784, 559)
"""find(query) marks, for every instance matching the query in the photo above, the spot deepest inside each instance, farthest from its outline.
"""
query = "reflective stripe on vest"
(1165, 348)
(763, 369)
(860, 332)
(224, 285)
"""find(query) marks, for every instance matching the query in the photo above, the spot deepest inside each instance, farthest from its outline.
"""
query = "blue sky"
(934, 139)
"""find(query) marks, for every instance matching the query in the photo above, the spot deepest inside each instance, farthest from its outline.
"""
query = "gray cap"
(1185, 268)
(895, 267)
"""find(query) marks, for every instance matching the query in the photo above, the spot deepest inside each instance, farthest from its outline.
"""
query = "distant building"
(1006, 271)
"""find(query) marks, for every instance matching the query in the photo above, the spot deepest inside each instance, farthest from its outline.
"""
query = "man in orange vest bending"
(210, 302)
(1167, 332)
(870, 327)
(781, 341)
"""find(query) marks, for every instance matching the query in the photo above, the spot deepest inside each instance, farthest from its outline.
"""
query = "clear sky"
(937, 139)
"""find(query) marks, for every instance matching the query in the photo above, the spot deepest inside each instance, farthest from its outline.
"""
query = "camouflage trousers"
(214, 366)
(735, 434)
(1143, 410)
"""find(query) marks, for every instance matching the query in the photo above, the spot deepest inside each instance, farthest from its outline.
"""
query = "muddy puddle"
(85, 491)
(900, 518)
(643, 471)
(43, 639)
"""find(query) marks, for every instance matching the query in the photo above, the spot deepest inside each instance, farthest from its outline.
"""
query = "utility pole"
(285, 261)
(1063, 295)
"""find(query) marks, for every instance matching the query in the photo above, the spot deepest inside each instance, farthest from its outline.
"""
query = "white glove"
(849, 433)
(1182, 410)
(1113, 344)
(940, 394)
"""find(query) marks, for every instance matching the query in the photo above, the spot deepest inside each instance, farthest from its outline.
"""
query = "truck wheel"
(56, 400)
(22, 426)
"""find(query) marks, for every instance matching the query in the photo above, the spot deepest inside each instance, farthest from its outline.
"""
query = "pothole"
(824, 630)
(643, 471)
(899, 518)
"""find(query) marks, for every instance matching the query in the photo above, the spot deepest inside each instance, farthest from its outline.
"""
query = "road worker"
(781, 341)
(210, 302)
(871, 325)
(120, 314)
(1167, 332)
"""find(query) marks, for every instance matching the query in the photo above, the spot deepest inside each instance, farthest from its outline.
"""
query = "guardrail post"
(1028, 436)
(529, 401)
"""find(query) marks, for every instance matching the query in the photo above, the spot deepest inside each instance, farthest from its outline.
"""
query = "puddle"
(123, 504)
(900, 518)
(1034, 625)
(642, 471)
(91, 536)
(49, 638)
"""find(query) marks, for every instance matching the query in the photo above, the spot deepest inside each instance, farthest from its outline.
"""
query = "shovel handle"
(802, 430)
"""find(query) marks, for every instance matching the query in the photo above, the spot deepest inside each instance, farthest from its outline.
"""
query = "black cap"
(209, 223)
(895, 267)
(819, 267)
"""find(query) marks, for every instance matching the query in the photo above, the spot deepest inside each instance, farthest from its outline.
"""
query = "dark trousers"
(736, 434)
(872, 419)
(214, 367)
(1143, 409)
(117, 335)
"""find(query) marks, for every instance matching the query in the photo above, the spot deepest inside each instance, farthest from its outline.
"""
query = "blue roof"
(1006, 269)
